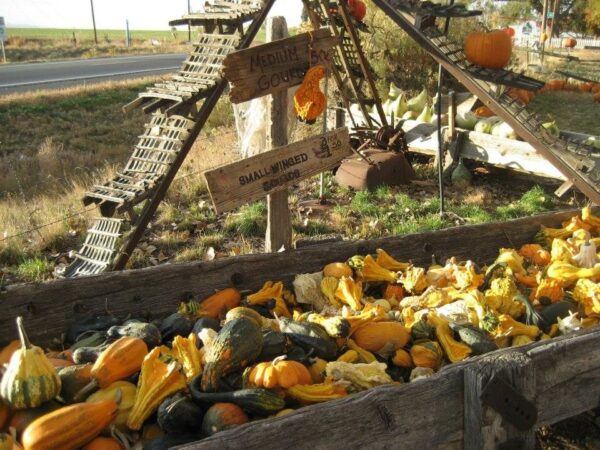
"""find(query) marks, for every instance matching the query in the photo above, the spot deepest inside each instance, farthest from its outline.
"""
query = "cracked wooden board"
(253, 178)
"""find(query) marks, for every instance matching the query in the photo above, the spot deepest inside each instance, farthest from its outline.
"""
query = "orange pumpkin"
(280, 373)
(491, 50)
(510, 31)
(569, 42)
(555, 85)
(373, 336)
(222, 416)
(358, 9)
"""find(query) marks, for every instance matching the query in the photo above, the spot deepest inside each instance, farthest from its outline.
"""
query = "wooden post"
(485, 428)
(279, 224)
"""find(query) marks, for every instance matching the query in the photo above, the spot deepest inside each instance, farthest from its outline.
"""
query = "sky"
(111, 14)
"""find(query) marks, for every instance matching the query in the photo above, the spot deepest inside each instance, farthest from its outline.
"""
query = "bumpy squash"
(280, 373)
(254, 401)
(30, 379)
(70, 427)
(238, 343)
(186, 352)
(127, 392)
(222, 416)
(158, 380)
(309, 101)
(427, 354)
(336, 327)
(373, 336)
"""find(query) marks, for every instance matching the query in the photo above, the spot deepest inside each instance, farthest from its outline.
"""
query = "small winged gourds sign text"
(253, 178)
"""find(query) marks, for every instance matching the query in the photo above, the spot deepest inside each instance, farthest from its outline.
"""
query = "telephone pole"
(94, 22)
(189, 23)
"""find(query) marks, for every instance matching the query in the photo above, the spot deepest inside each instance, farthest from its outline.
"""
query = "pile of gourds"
(229, 358)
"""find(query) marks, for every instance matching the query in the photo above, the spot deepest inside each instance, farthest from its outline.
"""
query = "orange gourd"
(569, 42)
(550, 289)
(69, 427)
(121, 359)
(8, 351)
(491, 50)
(484, 111)
(280, 373)
(373, 336)
(393, 290)
(222, 416)
(103, 443)
(536, 254)
(217, 305)
(309, 101)
(509, 30)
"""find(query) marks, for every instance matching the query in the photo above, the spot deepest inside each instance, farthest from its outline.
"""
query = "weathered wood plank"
(276, 66)
(49, 307)
(567, 371)
(501, 152)
(279, 221)
(253, 178)
(485, 428)
(410, 416)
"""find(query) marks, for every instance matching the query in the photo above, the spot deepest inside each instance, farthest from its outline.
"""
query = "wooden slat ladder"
(198, 75)
(154, 153)
(98, 250)
(579, 163)
(351, 71)
(166, 141)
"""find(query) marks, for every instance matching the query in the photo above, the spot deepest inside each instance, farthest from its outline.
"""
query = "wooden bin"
(558, 377)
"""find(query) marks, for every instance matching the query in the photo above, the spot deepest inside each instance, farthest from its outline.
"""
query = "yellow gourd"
(372, 271)
(455, 351)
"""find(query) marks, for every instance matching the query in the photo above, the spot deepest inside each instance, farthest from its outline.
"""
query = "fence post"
(512, 391)
(279, 224)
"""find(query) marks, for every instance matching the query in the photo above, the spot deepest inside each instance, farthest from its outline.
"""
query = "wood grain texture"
(276, 66)
(279, 221)
(485, 428)
(253, 178)
(409, 416)
(49, 307)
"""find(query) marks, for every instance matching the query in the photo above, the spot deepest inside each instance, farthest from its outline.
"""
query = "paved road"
(33, 76)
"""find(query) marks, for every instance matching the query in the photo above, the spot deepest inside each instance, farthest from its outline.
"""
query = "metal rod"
(94, 22)
(440, 156)
(189, 23)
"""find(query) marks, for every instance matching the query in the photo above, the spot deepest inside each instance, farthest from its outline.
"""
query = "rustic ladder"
(351, 71)
(176, 122)
(579, 163)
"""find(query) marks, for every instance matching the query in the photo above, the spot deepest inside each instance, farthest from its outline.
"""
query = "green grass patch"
(34, 269)
(572, 111)
(249, 221)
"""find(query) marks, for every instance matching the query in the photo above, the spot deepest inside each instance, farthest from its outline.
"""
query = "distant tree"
(592, 16)
(514, 11)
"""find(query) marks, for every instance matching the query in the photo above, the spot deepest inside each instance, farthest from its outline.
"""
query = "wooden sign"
(276, 66)
(253, 178)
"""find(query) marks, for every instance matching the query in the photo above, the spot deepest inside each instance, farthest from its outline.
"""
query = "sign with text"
(253, 178)
(276, 66)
